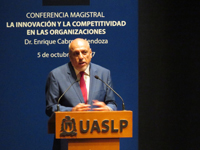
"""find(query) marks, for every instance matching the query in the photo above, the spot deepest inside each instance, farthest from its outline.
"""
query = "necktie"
(83, 87)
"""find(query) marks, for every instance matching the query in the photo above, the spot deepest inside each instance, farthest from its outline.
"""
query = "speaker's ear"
(91, 52)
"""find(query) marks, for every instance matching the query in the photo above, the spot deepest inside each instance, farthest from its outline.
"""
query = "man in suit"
(96, 97)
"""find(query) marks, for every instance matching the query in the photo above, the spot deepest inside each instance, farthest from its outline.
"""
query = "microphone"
(123, 105)
(58, 108)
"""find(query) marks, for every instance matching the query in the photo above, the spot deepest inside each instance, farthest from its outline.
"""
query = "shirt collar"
(87, 71)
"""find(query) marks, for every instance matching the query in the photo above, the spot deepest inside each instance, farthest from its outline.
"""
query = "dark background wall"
(169, 75)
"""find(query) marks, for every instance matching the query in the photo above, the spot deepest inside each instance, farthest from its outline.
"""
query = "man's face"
(80, 55)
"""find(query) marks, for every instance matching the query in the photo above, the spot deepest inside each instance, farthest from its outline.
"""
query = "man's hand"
(101, 106)
(81, 107)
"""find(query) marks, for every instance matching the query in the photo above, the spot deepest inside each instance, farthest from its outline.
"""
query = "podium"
(91, 130)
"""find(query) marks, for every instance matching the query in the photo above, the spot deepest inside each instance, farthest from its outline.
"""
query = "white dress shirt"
(86, 78)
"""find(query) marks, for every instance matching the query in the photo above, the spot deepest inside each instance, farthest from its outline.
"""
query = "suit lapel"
(72, 78)
(93, 81)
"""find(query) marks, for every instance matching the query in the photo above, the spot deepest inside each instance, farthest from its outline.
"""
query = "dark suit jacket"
(62, 77)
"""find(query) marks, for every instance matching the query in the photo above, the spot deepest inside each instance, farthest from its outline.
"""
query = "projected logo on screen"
(65, 2)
